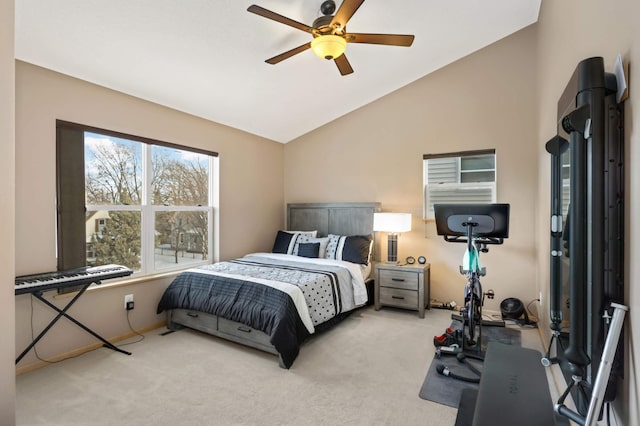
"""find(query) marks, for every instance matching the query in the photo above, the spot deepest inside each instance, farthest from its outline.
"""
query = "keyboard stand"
(63, 313)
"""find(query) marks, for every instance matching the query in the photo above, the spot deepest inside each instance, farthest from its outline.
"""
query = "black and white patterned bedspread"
(319, 284)
(264, 293)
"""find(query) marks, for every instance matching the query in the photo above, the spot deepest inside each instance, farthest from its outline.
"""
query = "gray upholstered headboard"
(333, 218)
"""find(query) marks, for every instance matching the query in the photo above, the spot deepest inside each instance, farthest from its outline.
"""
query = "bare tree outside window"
(113, 170)
(177, 199)
(180, 178)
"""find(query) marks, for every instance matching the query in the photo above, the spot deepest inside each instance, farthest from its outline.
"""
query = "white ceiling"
(206, 57)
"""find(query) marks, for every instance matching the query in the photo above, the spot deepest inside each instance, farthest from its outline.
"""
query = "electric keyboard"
(69, 278)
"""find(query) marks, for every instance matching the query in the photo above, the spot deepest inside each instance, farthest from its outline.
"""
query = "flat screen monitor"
(493, 219)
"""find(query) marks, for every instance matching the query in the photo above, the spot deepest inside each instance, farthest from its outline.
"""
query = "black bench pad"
(513, 389)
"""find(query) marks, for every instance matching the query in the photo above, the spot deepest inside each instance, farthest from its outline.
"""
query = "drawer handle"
(397, 279)
(398, 297)
(244, 329)
(191, 314)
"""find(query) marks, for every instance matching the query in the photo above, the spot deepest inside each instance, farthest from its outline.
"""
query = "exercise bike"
(477, 225)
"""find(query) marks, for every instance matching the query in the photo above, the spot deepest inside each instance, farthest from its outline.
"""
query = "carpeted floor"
(447, 390)
(366, 371)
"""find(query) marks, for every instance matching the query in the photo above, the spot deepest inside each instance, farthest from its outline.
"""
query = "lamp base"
(392, 248)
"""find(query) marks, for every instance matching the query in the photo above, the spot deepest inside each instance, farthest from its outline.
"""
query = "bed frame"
(326, 218)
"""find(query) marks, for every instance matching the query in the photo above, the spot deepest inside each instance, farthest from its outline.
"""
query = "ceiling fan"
(330, 36)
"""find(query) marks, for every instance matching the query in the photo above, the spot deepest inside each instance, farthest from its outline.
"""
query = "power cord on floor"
(35, 350)
(140, 339)
(437, 304)
(48, 361)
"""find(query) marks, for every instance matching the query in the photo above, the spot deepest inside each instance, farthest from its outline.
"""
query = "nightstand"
(404, 286)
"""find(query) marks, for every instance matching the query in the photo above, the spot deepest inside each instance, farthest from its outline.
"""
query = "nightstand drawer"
(399, 298)
(398, 279)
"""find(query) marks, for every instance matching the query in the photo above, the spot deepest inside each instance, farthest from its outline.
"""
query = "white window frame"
(148, 212)
(458, 186)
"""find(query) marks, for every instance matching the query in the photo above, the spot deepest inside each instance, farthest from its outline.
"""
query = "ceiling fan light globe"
(328, 46)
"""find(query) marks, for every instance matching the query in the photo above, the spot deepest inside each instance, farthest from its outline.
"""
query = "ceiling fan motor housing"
(322, 25)
(328, 7)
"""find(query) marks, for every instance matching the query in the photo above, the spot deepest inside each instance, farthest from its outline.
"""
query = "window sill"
(121, 283)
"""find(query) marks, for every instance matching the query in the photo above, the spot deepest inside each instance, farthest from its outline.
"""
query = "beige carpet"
(366, 371)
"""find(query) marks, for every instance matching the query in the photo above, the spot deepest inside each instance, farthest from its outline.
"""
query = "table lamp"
(393, 223)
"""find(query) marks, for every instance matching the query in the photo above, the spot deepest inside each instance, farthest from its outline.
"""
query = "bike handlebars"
(477, 240)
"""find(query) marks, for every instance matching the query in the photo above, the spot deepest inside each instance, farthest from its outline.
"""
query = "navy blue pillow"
(281, 245)
(356, 249)
(309, 249)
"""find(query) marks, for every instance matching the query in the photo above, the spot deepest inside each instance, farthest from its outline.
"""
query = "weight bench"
(513, 391)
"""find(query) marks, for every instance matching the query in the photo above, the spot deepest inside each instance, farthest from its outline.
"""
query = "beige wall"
(7, 181)
(570, 31)
(251, 186)
(486, 100)
(502, 97)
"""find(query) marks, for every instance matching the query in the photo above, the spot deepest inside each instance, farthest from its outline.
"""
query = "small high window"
(456, 178)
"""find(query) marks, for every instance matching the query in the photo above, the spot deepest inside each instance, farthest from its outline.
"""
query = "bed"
(316, 274)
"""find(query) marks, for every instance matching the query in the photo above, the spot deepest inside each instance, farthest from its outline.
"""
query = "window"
(462, 177)
(144, 204)
(100, 224)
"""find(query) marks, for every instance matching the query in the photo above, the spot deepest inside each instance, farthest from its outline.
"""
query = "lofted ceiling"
(206, 57)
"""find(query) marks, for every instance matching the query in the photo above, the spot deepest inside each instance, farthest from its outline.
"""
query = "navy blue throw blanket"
(258, 306)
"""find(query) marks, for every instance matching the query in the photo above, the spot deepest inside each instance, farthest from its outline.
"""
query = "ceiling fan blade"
(343, 64)
(388, 39)
(288, 54)
(278, 18)
(345, 12)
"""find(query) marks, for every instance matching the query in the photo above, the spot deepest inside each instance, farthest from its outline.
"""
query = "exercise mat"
(447, 390)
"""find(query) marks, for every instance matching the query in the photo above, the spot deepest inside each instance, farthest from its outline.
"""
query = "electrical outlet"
(128, 302)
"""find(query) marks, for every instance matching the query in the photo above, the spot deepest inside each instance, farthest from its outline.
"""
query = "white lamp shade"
(392, 222)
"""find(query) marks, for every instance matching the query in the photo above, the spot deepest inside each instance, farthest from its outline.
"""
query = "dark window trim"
(70, 188)
(459, 154)
(148, 141)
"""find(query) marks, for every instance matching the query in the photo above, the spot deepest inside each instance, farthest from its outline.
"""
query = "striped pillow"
(287, 241)
(354, 248)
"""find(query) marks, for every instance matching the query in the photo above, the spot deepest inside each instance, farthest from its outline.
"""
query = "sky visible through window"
(177, 188)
